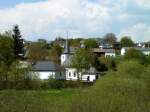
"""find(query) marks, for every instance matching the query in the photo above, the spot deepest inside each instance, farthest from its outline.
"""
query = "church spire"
(67, 49)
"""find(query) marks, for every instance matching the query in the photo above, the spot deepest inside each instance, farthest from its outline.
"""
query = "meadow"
(37, 101)
(124, 90)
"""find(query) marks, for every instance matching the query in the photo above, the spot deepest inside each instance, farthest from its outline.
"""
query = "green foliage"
(54, 53)
(126, 42)
(61, 84)
(148, 58)
(121, 91)
(18, 41)
(110, 38)
(83, 59)
(135, 54)
(36, 52)
(107, 63)
(37, 101)
(75, 42)
(90, 43)
(131, 68)
(6, 50)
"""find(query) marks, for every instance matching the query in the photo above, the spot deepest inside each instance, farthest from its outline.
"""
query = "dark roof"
(45, 66)
(99, 50)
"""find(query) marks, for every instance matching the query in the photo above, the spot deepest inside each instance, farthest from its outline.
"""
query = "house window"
(74, 74)
(69, 74)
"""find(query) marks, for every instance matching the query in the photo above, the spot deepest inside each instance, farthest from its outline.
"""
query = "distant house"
(145, 51)
(71, 73)
(47, 69)
(143, 44)
(104, 52)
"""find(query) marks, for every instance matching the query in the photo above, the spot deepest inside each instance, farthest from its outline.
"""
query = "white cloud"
(143, 3)
(51, 16)
(138, 32)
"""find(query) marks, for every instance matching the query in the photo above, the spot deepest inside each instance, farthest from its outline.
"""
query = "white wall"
(71, 74)
(92, 78)
(123, 51)
(64, 57)
(45, 75)
(146, 52)
(110, 54)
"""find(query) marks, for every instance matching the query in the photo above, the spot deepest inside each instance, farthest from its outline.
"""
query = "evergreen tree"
(18, 41)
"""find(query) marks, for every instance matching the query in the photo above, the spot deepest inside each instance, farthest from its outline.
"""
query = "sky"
(49, 19)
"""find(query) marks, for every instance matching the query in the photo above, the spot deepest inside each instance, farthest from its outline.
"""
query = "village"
(75, 56)
(63, 70)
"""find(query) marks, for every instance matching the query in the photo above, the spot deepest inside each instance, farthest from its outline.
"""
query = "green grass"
(37, 101)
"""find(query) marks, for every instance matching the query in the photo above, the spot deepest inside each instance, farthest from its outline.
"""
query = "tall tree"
(6, 56)
(6, 50)
(83, 59)
(110, 38)
(90, 43)
(36, 52)
(126, 42)
(18, 41)
(55, 52)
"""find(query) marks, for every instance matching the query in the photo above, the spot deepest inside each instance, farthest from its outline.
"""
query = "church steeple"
(67, 49)
(66, 54)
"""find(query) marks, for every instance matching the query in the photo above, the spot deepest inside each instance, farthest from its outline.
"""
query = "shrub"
(56, 84)
(107, 63)
(130, 68)
(120, 91)
(136, 55)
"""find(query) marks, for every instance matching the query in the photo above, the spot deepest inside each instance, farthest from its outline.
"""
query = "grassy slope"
(37, 101)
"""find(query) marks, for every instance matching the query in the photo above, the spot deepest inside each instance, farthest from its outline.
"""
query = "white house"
(110, 53)
(47, 69)
(145, 51)
(72, 73)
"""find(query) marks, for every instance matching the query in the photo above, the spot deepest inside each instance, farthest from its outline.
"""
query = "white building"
(72, 73)
(47, 69)
(110, 53)
(145, 51)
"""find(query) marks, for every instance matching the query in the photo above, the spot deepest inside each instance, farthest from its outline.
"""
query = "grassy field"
(37, 101)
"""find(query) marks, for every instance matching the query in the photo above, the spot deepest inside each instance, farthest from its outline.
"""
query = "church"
(47, 69)
(90, 75)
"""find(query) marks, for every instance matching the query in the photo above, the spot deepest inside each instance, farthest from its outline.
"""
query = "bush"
(56, 84)
(136, 55)
(121, 91)
(60, 84)
(130, 68)
(107, 63)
